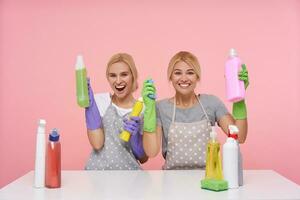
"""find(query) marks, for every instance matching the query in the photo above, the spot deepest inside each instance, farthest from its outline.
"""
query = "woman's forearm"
(96, 138)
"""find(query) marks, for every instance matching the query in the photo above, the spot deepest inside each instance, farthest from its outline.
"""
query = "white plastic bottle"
(230, 158)
(40, 155)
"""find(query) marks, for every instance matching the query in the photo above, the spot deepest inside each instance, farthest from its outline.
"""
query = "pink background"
(39, 43)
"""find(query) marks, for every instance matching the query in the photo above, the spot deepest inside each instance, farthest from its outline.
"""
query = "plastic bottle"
(213, 158)
(235, 89)
(53, 161)
(39, 169)
(151, 96)
(137, 109)
(240, 166)
(81, 83)
(230, 158)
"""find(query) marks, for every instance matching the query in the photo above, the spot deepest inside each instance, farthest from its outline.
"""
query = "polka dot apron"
(186, 147)
(115, 153)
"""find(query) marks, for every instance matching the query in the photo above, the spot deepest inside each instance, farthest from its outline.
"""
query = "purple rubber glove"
(92, 114)
(136, 140)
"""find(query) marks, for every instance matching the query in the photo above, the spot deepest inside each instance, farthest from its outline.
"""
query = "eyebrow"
(186, 70)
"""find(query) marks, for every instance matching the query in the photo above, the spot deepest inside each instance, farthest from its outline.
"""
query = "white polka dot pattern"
(187, 145)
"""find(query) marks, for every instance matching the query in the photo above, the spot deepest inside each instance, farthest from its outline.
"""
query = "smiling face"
(184, 78)
(120, 79)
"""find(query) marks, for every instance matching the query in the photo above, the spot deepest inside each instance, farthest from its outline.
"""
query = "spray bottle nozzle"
(233, 131)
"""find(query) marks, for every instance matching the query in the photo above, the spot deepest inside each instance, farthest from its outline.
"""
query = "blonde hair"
(128, 60)
(186, 57)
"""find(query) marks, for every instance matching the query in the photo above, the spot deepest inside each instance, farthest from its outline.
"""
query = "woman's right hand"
(92, 114)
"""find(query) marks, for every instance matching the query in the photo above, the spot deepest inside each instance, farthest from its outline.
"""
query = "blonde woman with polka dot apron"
(107, 115)
(183, 122)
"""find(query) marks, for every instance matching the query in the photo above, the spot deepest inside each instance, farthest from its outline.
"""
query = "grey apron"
(186, 147)
(115, 154)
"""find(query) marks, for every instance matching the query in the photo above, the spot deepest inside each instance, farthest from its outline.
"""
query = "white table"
(177, 184)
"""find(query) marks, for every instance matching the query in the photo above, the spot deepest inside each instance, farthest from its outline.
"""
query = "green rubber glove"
(239, 109)
(150, 110)
(243, 75)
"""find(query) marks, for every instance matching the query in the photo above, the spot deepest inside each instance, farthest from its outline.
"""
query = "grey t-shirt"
(213, 106)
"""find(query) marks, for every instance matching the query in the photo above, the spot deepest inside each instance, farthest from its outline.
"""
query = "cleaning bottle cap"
(42, 122)
(79, 62)
(232, 52)
(54, 136)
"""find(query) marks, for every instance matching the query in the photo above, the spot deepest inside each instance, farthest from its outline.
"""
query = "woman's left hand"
(132, 125)
(243, 75)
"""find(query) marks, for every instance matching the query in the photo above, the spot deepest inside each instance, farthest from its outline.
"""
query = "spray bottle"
(213, 171)
(235, 88)
(230, 158)
(81, 83)
(137, 109)
(53, 161)
(39, 171)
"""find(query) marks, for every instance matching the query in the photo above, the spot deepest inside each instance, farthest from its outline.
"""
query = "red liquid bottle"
(53, 164)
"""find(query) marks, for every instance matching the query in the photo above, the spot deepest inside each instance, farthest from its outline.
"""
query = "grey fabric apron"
(186, 147)
(115, 154)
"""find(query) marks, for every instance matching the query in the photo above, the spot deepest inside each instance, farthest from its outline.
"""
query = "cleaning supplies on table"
(81, 83)
(213, 172)
(39, 169)
(235, 88)
(137, 109)
(53, 160)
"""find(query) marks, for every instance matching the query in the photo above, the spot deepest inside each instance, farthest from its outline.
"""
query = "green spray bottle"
(81, 83)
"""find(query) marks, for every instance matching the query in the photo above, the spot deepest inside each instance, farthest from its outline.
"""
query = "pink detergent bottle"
(235, 89)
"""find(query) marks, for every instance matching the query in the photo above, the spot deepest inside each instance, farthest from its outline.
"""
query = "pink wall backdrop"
(39, 41)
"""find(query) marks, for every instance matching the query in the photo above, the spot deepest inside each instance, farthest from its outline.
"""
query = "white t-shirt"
(103, 101)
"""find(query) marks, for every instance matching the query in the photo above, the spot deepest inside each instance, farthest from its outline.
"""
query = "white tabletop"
(166, 184)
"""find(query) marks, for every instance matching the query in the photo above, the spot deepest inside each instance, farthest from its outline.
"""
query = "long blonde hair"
(186, 57)
(128, 60)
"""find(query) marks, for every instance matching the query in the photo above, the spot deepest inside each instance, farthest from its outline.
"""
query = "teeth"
(120, 87)
(184, 85)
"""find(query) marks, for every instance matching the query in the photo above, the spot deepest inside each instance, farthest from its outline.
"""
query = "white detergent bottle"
(40, 155)
(230, 158)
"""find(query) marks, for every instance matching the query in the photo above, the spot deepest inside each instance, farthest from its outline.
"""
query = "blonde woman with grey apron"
(184, 133)
(109, 151)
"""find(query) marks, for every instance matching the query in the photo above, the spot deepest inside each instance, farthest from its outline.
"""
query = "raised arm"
(94, 122)
(152, 133)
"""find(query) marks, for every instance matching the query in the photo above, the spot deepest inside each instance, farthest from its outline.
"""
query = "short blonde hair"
(128, 60)
(186, 57)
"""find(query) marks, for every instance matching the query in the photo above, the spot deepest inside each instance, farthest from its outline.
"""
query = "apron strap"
(203, 108)
(174, 109)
